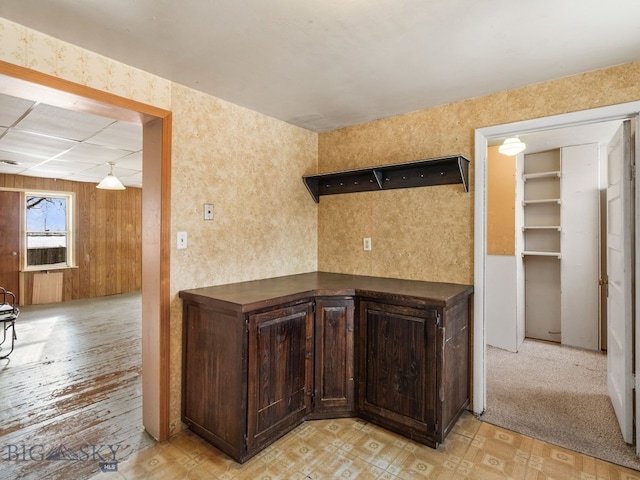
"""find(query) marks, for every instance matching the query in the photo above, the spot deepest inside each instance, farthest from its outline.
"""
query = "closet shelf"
(535, 176)
(529, 253)
(541, 201)
(420, 173)
(542, 227)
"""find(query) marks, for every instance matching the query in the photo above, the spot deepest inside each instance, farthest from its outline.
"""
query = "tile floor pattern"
(354, 449)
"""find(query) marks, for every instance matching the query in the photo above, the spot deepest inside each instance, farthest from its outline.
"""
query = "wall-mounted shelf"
(420, 173)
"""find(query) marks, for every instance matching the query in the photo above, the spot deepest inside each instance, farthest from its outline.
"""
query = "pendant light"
(512, 146)
(110, 182)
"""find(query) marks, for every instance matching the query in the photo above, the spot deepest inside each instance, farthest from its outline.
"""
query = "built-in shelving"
(420, 173)
(542, 201)
(542, 227)
(529, 253)
(540, 175)
(541, 248)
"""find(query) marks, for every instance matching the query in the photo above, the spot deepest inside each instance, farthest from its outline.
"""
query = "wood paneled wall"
(108, 237)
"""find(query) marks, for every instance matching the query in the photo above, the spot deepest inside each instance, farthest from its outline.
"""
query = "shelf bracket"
(379, 175)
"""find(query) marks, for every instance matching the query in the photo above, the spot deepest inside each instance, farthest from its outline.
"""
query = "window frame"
(70, 230)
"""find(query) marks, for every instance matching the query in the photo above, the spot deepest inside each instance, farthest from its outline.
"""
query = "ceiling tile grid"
(45, 141)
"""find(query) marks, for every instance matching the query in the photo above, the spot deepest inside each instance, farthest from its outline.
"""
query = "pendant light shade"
(110, 182)
(512, 146)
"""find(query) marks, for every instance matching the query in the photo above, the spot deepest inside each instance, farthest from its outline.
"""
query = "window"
(48, 230)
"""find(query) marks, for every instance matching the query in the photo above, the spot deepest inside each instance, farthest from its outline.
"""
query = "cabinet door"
(398, 368)
(280, 372)
(334, 387)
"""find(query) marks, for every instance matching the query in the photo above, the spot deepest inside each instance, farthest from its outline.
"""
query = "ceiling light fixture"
(512, 146)
(110, 182)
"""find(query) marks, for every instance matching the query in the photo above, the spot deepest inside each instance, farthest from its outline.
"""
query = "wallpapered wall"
(427, 233)
(31, 49)
(250, 165)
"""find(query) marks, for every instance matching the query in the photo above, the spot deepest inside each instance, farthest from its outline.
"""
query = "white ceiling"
(542, 141)
(326, 64)
(319, 64)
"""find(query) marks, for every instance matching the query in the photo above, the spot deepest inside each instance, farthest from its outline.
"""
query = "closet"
(560, 244)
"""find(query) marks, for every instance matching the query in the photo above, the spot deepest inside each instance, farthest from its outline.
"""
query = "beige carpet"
(557, 394)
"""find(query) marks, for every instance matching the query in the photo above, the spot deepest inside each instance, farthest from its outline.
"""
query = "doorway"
(10, 243)
(24, 83)
(483, 137)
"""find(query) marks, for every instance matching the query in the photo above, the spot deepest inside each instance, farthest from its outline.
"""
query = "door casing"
(25, 83)
(482, 135)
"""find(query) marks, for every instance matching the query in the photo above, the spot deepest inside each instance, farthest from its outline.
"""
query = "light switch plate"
(182, 240)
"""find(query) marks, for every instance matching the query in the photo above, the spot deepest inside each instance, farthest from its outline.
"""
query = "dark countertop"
(247, 296)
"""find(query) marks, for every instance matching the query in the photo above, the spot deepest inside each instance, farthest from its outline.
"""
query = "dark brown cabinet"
(334, 391)
(261, 357)
(413, 367)
(280, 372)
(397, 386)
(248, 376)
(214, 378)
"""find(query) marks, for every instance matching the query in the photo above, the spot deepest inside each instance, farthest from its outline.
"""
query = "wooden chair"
(8, 314)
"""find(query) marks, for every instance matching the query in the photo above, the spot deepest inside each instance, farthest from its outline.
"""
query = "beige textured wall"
(427, 233)
(250, 167)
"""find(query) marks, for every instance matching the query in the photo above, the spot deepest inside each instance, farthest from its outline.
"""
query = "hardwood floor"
(71, 393)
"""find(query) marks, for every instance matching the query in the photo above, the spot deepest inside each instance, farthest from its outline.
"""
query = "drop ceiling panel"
(92, 154)
(125, 136)
(100, 171)
(18, 169)
(59, 122)
(35, 145)
(134, 180)
(11, 170)
(130, 162)
(12, 108)
(56, 169)
(25, 161)
(93, 178)
(53, 142)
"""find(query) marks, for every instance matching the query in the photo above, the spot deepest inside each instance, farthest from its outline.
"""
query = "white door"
(580, 246)
(619, 271)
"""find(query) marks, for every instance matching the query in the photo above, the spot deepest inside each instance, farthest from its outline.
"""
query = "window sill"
(48, 268)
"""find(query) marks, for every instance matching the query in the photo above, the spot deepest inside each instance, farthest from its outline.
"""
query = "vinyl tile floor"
(354, 449)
